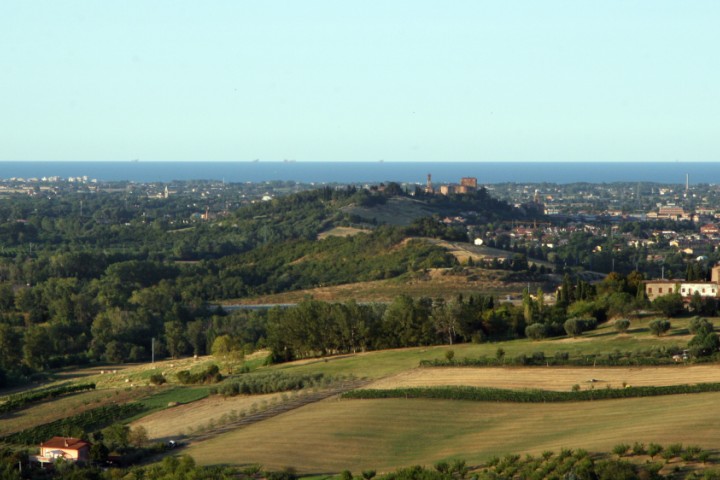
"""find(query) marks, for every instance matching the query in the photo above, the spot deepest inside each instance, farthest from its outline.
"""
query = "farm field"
(49, 411)
(385, 434)
(552, 378)
(164, 425)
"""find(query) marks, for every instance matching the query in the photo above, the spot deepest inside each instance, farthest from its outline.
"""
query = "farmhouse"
(65, 448)
(658, 288)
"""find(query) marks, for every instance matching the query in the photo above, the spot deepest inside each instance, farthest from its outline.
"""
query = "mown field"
(332, 435)
(552, 378)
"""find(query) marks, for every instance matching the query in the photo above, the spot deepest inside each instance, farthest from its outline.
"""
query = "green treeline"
(485, 394)
(315, 328)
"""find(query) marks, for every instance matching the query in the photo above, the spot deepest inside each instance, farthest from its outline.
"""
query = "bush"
(620, 449)
(210, 375)
(536, 331)
(157, 379)
(573, 327)
(622, 325)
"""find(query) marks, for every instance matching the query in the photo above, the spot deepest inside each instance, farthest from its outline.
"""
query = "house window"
(660, 290)
(683, 290)
(703, 290)
(649, 289)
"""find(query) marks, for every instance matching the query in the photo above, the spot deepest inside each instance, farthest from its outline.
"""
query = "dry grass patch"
(333, 435)
(342, 232)
(436, 283)
(185, 419)
(552, 378)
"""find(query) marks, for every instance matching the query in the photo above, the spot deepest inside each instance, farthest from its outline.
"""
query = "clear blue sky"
(330, 80)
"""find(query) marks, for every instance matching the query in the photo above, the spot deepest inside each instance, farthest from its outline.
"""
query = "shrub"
(622, 325)
(620, 449)
(449, 355)
(654, 449)
(536, 331)
(157, 379)
(639, 448)
(210, 375)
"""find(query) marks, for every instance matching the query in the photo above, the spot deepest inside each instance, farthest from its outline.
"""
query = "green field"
(601, 341)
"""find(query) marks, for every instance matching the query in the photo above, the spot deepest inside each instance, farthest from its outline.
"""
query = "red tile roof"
(65, 442)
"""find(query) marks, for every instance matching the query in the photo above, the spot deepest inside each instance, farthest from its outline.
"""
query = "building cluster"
(466, 185)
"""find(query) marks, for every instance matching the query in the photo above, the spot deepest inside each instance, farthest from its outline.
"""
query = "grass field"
(552, 378)
(164, 425)
(384, 434)
(388, 362)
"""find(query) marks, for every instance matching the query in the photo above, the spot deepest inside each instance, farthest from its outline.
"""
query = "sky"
(329, 80)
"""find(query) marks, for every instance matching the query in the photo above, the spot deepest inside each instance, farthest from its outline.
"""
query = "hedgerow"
(18, 401)
(653, 356)
(485, 394)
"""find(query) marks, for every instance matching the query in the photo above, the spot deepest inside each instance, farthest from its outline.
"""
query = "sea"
(369, 172)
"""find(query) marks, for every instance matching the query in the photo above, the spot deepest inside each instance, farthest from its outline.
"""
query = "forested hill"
(97, 276)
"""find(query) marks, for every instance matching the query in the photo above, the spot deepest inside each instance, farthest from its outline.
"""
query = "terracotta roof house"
(66, 448)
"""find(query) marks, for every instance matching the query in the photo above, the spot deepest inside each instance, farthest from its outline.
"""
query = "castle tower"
(429, 187)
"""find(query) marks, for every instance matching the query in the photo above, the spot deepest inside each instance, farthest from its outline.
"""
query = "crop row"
(271, 383)
(484, 394)
(77, 425)
(16, 402)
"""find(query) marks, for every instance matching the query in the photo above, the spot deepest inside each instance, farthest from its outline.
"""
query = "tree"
(223, 346)
(138, 437)
(654, 449)
(175, 338)
(195, 331)
(37, 346)
(622, 325)
(116, 436)
(670, 305)
(706, 341)
(659, 327)
(10, 347)
(99, 453)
